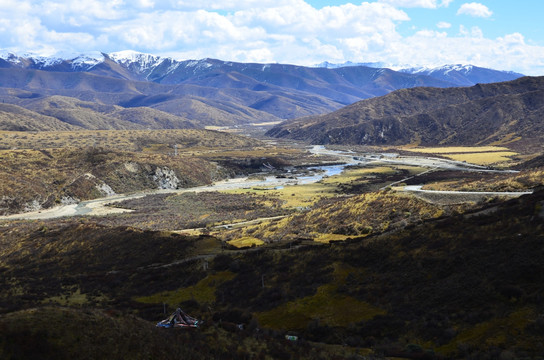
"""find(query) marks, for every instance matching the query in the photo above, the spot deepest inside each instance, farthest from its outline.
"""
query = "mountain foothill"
(140, 91)
(506, 113)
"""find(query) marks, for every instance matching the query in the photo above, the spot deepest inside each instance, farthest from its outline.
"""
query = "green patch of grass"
(326, 305)
(245, 242)
(73, 298)
(496, 332)
(203, 291)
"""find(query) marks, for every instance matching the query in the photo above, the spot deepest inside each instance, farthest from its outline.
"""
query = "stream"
(100, 206)
(314, 174)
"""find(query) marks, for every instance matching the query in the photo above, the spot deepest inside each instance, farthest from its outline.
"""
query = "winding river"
(100, 206)
(314, 174)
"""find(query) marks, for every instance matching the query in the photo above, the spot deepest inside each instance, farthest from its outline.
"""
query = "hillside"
(17, 118)
(465, 286)
(206, 92)
(499, 113)
(45, 169)
(93, 116)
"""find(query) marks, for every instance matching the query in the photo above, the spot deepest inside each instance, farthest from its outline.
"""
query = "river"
(314, 174)
(100, 206)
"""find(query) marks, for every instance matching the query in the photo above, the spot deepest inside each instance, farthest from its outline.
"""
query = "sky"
(499, 34)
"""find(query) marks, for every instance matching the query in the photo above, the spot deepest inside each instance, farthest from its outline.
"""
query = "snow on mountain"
(329, 65)
(150, 66)
(463, 75)
(9, 56)
(78, 61)
(138, 61)
(445, 69)
(87, 60)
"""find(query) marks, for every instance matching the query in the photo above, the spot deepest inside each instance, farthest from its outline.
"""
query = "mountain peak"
(78, 61)
(329, 65)
(141, 62)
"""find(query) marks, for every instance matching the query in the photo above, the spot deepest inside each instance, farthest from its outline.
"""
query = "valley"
(277, 236)
(406, 226)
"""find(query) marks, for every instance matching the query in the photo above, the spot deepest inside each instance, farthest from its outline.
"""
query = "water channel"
(309, 175)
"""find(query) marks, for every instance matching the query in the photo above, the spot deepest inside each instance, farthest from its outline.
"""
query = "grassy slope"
(341, 218)
(49, 176)
(41, 169)
(464, 285)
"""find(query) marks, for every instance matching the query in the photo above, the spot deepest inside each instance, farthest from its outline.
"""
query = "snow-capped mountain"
(137, 61)
(464, 75)
(141, 66)
(458, 74)
(329, 65)
(79, 61)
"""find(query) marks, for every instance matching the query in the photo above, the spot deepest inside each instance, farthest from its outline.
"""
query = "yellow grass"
(484, 158)
(303, 195)
(74, 298)
(486, 333)
(456, 149)
(121, 139)
(355, 174)
(246, 241)
(203, 291)
(326, 238)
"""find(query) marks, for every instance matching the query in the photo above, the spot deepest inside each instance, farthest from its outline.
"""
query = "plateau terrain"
(129, 90)
(403, 226)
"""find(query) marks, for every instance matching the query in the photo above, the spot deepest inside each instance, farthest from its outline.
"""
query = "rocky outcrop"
(166, 178)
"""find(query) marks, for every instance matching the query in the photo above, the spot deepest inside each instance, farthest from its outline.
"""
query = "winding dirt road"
(100, 206)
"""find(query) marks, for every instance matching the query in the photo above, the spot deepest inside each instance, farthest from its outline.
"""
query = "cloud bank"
(285, 31)
(475, 9)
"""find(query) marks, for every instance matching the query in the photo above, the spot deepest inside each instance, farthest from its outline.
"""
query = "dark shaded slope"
(468, 286)
(429, 116)
(16, 118)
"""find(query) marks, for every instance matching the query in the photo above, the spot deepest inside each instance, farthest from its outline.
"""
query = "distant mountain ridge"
(199, 92)
(153, 67)
(499, 113)
(458, 74)
(465, 75)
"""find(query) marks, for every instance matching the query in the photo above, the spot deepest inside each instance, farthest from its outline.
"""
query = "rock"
(166, 178)
(34, 205)
(105, 189)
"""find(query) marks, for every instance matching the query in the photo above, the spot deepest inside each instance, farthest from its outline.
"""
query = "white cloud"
(429, 4)
(227, 5)
(285, 31)
(474, 32)
(474, 9)
(443, 25)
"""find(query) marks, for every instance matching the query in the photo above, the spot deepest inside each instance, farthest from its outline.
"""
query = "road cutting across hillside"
(101, 206)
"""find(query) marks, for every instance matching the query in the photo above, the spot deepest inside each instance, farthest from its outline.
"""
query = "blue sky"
(500, 34)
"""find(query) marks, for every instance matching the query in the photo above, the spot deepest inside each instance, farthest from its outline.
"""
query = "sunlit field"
(480, 155)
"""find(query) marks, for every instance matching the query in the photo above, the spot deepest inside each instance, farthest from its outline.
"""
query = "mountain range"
(166, 93)
(498, 113)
